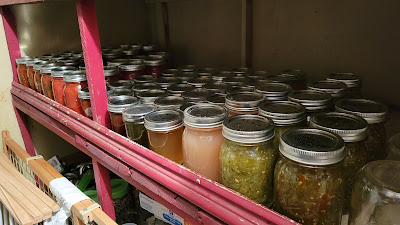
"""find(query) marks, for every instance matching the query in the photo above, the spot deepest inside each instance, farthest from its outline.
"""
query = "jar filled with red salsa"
(132, 69)
(46, 80)
(31, 73)
(37, 76)
(116, 105)
(154, 66)
(74, 81)
(84, 96)
(57, 82)
(21, 70)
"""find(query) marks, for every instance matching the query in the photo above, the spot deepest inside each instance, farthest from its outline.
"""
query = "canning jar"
(165, 129)
(294, 77)
(258, 75)
(216, 87)
(207, 72)
(308, 177)
(220, 76)
(196, 95)
(117, 62)
(84, 97)
(46, 80)
(375, 114)
(393, 148)
(353, 130)
(37, 76)
(144, 79)
(118, 92)
(57, 82)
(238, 89)
(21, 70)
(202, 139)
(248, 156)
(273, 91)
(336, 89)
(31, 73)
(74, 81)
(116, 105)
(216, 99)
(235, 80)
(154, 66)
(120, 84)
(111, 73)
(170, 72)
(169, 102)
(243, 103)
(148, 97)
(134, 123)
(376, 194)
(178, 89)
(188, 68)
(165, 82)
(141, 87)
(184, 77)
(132, 70)
(242, 71)
(199, 82)
(352, 81)
(314, 101)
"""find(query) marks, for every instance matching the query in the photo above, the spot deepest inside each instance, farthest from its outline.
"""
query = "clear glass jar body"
(309, 194)
(136, 132)
(87, 108)
(167, 143)
(72, 100)
(376, 141)
(37, 76)
(393, 148)
(129, 75)
(117, 123)
(31, 78)
(57, 84)
(22, 74)
(249, 168)
(201, 150)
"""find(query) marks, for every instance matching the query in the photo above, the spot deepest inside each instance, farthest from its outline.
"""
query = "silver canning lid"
(222, 74)
(39, 65)
(204, 116)
(116, 104)
(283, 78)
(23, 59)
(148, 97)
(260, 74)
(295, 72)
(250, 82)
(198, 82)
(312, 100)
(371, 111)
(75, 76)
(216, 99)
(144, 87)
(335, 88)
(117, 62)
(83, 93)
(248, 129)
(119, 92)
(49, 67)
(165, 82)
(159, 55)
(169, 102)
(110, 71)
(61, 70)
(243, 101)
(283, 113)
(154, 62)
(149, 48)
(350, 127)
(216, 87)
(47, 56)
(178, 89)
(273, 91)
(32, 62)
(188, 68)
(312, 147)
(196, 95)
(120, 84)
(350, 79)
(207, 72)
(170, 72)
(130, 52)
(185, 76)
(131, 66)
(237, 89)
(144, 79)
(163, 120)
(234, 81)
(241, 71)
(137, 113)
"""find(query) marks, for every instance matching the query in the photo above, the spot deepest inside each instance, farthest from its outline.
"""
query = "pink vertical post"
(10, 30)
(86, 11)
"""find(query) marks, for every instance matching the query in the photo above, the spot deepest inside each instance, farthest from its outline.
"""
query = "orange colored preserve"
(57, 82)
(116, 105)
(165, 129)
(84, 96)
(74, 81)
(38, 75)
(21, 70)
(46, 80)
(30, 72)
(243, 103)
(202, 139)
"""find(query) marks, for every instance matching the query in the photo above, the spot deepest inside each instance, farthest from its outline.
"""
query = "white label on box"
(160, 211)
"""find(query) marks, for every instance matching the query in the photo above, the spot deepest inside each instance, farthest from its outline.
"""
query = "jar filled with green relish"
(375, 114)
(248, 156)
(353, 130)
(308, 177)
(134, 123)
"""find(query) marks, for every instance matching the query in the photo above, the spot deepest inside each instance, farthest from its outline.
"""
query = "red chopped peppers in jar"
(37, 76)
(84, 96)
(57, 82)
(116, 105)
(21, 70)
(30, 72)
(74, 81)
(46, 81)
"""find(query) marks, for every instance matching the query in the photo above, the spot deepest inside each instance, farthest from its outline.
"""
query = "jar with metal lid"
(353, 130)
(336, 89)
(314, 101)
(57, 82)
(207, 72)
(273, 91)
(258, 75)
(169, 102)
(137, 88)
(352, 82)
(31, 73)
(250, 82)
(238, 89)
(199, 82)
(202, 139)
(393, 148)
(170, 72)
(119, 92)
(75, 62)
(242, 71)
(165, 82)
(216, 99)
(235, 80)
(154, 66)
(165, 129)
(286, 116)
(248, 156)
(149, 48)
(216, 87)
(178, 89)
(375, 114)
(376, 194)
(130, 52)
(47, 88)
(243, 103)
(296, 77)
(221, 75)
(84, 96)
(111, 73)
(117, 62)
(196, 95)
(134, 123)
(120, 84)
(144, 79)
(308, 177)
(148, 97)
(74, 81)
(188, 68)
(110, 55)
(37, 76)
(116, 105)
(186, 76)
(22, 71)
(130, 70)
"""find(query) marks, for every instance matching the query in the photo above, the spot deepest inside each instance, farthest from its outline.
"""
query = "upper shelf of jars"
(16, 2)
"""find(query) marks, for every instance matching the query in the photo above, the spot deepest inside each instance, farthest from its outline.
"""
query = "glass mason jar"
(258, 75)
(273, 91)
(120, 84)
(46, 80)
(248, 156)
(393, 148)
(141, 87)
(119, 92)
(165, 129)
(169, 102)
(242, 71)
(134, 123)
(217, 87)
(178, 89)
(207, 72)
(74, 81)
(376, 194)
(235, 80)
(31, 73)
(221, 75)
(117, 62)
(353, 130)
(199, 82)
(216, 99)
(352, 81)
(336, 89)
(144, 79)
(132, 70)
(148, 97)
(308, 177)
(197, 95)
(314, 101)
(243, 103)
(188, 68)
(116, 105)
(37, 76)
(170, 72)
(57, 82)
(202, 139)
(238, 89)
(111, 73)
(375, 114)
(165, 82)
(154, 66)
(22, 71)
(84, 96)
(295, 77)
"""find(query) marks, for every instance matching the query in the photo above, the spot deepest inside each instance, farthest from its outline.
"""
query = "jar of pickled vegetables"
(352, 81)
(154, 66)
(273, 91)
(22, 71)
(178, 89)
(376, 194)
(196, 95)
(134, 123)
(248, 156)
(375, 114)
(308, 177)
(393, 148)
(74, 81)
(165, 129)
(353, 130)
(169, 102)
(336, 89)
(46, 80)
(243, 103)
(57, 82)
(202, 139)
(31, 73)
(116, 105)
(111, 73)
(37, 76)
(84, 96)
(314, 101)
(132, 69)
(148, 97)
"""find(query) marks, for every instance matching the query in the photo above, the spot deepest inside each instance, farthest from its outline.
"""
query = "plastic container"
(74, 81)
(134, 123)
(202, 139)
(243, 103)
(169, 102)
(57, 82)
(352, 81)
(273, 91)
(131, 70)
(393, 148)
(308, 178)
(116, 105)
(84, 97)
(22, 70)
